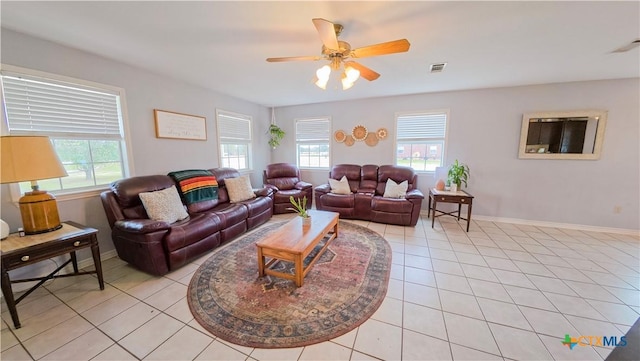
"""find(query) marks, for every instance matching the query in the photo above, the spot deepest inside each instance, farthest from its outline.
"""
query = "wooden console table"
(460, 197)
(18, 252)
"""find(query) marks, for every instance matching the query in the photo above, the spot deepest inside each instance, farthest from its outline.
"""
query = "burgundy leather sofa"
(157, 247)
(284, 180)
(366, 201)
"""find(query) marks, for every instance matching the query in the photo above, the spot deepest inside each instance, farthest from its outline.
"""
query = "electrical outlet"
(617, 209)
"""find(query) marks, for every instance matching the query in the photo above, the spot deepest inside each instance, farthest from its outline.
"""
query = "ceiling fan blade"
(327, 33)
(390, 47)
(293, 58)
(365, 72)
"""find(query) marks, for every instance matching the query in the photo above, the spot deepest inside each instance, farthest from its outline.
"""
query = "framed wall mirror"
(562, 135)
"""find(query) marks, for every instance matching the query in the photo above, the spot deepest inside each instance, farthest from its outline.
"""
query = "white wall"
(145, 91)
(484, 132)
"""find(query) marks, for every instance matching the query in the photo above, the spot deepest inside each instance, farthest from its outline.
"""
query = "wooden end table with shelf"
(460, 197)
(19, 251)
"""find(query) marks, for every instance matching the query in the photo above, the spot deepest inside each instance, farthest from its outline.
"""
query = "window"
(420, 140)
(234, 137)
(84, 121)
(312, 142)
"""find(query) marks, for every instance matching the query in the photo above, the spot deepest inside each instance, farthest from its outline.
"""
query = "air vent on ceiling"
(437, 67)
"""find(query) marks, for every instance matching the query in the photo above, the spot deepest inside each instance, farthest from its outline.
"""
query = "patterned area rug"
(342, 290)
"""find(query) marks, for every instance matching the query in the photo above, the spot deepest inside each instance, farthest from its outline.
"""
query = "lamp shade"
(28, 158)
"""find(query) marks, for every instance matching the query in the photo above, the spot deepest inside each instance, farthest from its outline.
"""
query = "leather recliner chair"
(284, 180)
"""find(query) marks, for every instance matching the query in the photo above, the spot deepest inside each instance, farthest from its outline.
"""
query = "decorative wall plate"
(339, 136)
(359, 132)
(382, 133)
(349, 141)
(372, 139)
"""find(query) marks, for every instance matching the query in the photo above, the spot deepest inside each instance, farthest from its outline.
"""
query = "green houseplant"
(299, 206)
(458, 174)
(276, 133)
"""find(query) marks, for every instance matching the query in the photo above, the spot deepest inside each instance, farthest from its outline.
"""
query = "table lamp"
(32, 158)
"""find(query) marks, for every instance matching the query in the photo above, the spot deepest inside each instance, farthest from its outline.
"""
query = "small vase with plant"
(276, 133)
(300, 207)
(458, 174)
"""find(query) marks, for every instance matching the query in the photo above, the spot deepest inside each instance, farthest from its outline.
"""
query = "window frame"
(227, 141)
(312, 142)
(125, 139)
(445, 139)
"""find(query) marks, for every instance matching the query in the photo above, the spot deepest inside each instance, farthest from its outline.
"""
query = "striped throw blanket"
(196, 185)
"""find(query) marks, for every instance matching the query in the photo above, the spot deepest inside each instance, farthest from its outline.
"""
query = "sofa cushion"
(391, 205)
(340, 186)
(338, 200)
(186, 233)
(239, 189)
(164, 205)
(395, 190)
(231, 213)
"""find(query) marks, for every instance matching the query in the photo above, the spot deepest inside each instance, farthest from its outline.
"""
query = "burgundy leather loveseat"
(284, 179)
(157, 247)
(366, 201)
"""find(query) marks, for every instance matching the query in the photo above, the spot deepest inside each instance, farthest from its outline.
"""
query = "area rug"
(342, 290)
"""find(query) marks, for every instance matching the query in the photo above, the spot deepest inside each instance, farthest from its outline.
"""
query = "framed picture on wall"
(179, 126)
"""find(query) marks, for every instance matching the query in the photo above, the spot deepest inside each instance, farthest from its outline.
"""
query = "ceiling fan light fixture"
(351, 73)
(349, 77)
(346, 83)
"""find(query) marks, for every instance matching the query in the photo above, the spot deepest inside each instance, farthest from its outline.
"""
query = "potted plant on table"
(276, 133)
(458, 174)
(300, 207)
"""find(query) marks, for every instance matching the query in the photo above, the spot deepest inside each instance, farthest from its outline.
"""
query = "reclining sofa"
(157, 247)
(366, 199)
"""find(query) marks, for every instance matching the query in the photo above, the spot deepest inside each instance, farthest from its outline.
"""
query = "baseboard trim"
(88, 262)
(528, 222)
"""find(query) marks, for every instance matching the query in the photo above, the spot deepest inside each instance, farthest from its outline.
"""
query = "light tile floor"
(499, 292)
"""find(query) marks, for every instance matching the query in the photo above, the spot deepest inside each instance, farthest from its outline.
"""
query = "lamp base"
(39, 211)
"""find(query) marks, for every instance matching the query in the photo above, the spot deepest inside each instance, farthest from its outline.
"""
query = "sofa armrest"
(324, 188)
(414, 194)
(141, 225)
(272, 187)
(303, 185)
(264, 192)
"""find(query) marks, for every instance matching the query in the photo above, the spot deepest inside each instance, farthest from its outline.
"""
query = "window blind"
(56, 109)
(312, 130)
(234, 127)
(420, 126)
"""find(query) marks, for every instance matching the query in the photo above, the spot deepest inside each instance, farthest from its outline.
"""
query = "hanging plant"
(276, 134)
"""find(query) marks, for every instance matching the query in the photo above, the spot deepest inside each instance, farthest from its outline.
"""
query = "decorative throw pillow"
(239, 189)
(164, 205)
(340, 186)
(395, 190)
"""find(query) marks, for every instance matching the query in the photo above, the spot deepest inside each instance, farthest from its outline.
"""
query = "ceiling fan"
(339, 53)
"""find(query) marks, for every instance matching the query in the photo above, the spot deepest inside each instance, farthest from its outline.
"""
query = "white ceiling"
(223, 45)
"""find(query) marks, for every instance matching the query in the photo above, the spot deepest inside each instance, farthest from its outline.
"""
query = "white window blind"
(234, 127)
(312, 130)
(57, 109)
(421, 126)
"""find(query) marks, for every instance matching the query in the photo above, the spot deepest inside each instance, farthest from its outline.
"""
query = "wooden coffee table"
(293, 242)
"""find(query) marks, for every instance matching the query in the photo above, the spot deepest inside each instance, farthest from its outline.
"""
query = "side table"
(18, 252)
(460, 197)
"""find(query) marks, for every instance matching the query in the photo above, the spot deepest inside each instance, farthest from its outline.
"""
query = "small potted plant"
(300, 207)
(458, 174)
(276, 133)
